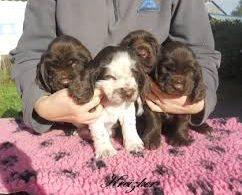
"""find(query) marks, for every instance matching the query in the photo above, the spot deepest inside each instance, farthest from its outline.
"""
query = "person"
(98, 24)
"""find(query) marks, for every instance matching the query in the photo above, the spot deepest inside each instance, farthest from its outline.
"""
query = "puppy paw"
(134, 146)
(70, 132)
(203, 129)
(152, 142)
(180, 141)
(105, 151)
(75, 133)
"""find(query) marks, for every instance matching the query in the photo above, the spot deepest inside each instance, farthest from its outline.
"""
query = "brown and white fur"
(117, 72)
(147, 48)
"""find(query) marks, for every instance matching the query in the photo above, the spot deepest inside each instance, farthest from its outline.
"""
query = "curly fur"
(178, 74)
(64, 65)
(117, 72)
(146, 47)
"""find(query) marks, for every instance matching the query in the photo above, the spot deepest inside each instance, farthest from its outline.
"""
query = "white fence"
(11, 24)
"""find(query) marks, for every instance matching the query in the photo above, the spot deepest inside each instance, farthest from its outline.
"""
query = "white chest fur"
(101, 129)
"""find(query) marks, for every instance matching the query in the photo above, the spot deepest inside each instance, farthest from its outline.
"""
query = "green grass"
(10, 101)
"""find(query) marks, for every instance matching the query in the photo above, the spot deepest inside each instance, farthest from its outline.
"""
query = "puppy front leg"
(102, 142)
(203, 129)
(178, 134)
(132, 141)
(149, 127)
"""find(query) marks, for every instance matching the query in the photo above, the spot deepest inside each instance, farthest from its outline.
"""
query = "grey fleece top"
(98, 23)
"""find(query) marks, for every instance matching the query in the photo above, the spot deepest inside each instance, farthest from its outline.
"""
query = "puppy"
(179, 74)
(63, 65)
(118, 73)
(146, 47)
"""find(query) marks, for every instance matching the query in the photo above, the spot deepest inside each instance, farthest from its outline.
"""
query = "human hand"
(161, 102)
(60, 107)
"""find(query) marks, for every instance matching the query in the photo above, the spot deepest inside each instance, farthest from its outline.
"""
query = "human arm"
(60, 107)
(161, 102)
(39, 29)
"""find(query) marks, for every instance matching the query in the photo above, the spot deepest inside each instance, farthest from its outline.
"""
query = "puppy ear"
(127, 41)
(199, 89)
(155, 45)
(81, 89)
(38, 77)
(142, 80)
(41, 73)
(155, 73)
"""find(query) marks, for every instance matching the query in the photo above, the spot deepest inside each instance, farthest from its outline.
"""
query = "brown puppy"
(64, 65)
(146, 47)
(179, 74)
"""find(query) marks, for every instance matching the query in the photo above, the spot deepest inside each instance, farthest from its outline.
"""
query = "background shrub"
(228, 40)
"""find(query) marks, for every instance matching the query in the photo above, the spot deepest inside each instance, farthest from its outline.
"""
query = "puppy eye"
(170, 68)
(72, 62)
(165, 69)
(55, 63)
(109, 77)
(73, 65)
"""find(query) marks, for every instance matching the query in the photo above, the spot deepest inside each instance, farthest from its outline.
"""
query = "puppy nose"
(178, 82)
(178, 86)
(127, 92)
(65, 80)
(63, 76)
(130, 92)
(143, 53)
(178, 79)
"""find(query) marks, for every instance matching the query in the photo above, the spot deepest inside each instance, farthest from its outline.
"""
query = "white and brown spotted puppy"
(117, 72)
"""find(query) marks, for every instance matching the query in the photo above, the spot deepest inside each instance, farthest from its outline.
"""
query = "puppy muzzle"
(127, 94)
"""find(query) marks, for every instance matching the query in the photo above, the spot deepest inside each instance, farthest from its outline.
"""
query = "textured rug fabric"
(53, 163)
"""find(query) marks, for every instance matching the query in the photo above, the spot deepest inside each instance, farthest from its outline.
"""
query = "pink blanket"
(53, 163)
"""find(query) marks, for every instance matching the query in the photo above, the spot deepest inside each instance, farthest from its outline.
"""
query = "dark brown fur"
(179, 74)
(146, 47)
(149, 128)
(64, 65)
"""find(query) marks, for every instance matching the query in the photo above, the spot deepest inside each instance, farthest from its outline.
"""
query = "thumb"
(153, 106)
(92, 103)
